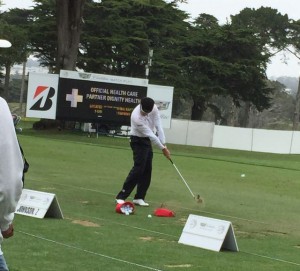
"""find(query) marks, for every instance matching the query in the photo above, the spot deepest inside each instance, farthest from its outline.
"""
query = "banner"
(94, 97)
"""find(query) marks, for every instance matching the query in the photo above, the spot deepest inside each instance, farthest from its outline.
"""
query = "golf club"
(197, 198)
(16, 120)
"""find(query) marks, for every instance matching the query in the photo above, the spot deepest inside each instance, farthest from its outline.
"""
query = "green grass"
(86, 174)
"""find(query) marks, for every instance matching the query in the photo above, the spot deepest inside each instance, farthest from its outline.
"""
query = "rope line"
(89, 252)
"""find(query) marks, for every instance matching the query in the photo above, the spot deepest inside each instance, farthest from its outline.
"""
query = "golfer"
(146, 128)
(11, 172)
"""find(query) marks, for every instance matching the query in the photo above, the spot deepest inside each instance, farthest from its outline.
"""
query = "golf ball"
(149, 216)
(243, 175)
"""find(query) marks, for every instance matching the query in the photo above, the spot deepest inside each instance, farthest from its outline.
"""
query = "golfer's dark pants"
(140, 174)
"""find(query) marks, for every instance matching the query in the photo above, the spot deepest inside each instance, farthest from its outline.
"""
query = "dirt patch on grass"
(146, 238)
(150, 238)
(85, 223)
(182, 221)
(259, 234)
(47, 188)
(179, 265)
(276, 232)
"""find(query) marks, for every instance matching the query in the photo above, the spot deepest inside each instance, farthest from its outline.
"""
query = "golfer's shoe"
(120, 201)
(140, 202)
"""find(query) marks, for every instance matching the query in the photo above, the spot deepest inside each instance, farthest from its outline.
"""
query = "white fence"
(207, 134)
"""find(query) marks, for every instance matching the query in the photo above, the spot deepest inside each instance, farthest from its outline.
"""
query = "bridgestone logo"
(43, 96)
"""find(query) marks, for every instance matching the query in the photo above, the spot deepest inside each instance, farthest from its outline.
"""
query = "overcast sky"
(222, 12)
(232, 7)
(222, 9)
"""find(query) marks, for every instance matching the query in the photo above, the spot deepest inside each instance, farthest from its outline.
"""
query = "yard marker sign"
(208, 233)
(38, 204)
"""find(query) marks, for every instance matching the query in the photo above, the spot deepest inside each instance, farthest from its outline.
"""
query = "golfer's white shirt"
(11, 169)
(147, 126)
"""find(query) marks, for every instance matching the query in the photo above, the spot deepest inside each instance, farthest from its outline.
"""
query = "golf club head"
(199, 199)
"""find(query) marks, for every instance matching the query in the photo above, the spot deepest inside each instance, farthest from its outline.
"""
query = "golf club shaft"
(182, 178)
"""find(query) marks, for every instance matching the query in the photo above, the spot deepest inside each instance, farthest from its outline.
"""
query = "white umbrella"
(4, 43)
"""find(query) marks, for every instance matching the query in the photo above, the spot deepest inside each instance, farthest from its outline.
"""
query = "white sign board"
(208, 233)
(163, 97)
(97, 77)
(42, 95)
(38, 204)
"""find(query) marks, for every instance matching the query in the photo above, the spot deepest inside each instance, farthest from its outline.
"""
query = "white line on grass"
(238, 218)
(189, 209)
(271, 258)
(90, 252)
(143, 266)
(228, 216)
(177, 238)
(134, 227)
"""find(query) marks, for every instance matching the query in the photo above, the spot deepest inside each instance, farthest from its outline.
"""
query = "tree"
(276, 32)
(201, 59)
(294, 41)
(225, 61)
(280, 113)
(55, 32)
(13, 28)
(69, 23)
(107, 47)
(43, 33)
(271, 27)
(111, 49)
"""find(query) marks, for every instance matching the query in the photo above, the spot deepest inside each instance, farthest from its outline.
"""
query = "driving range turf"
(86, 173)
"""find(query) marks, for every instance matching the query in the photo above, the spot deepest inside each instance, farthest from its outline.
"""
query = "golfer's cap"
(147, 104)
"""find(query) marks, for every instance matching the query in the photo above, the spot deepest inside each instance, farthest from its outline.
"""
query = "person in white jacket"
(146, 128)
(11, 172)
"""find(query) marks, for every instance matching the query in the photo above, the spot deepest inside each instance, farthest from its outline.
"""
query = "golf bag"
(16, 120)
(26, 165)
